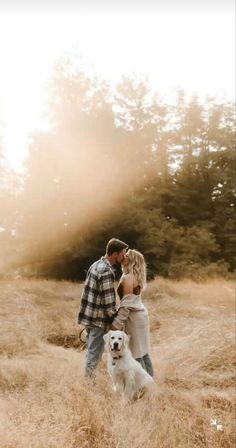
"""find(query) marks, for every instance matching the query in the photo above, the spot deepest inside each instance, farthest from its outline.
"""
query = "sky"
(184, 43)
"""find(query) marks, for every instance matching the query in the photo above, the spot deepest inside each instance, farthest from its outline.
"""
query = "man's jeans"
(146, 363)
(95, 347)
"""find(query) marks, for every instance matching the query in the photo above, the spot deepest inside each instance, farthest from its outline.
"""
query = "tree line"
(121, 161)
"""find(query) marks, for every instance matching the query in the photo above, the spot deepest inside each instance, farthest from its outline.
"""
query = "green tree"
(121, 162)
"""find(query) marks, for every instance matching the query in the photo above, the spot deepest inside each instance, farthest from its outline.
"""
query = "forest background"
(122, 161)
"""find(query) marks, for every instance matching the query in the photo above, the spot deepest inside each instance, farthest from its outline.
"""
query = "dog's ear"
(126, 338)
(106, 337)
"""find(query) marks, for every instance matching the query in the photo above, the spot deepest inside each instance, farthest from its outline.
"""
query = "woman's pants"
(146, 363)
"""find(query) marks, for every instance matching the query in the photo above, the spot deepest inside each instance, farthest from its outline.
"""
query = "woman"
(132, 316)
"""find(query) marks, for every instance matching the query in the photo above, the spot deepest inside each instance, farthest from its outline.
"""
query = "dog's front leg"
(120, 385)
(110, 368)
(128, 387)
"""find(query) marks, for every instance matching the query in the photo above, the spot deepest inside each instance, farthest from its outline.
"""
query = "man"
(98, 301)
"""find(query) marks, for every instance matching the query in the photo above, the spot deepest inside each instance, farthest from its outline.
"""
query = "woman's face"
(125, 261)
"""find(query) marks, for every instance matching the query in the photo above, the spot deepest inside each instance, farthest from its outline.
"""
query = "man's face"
(121, 256)
(125, 261)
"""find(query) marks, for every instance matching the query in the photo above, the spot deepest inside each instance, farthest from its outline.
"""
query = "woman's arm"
(122, 314)
(118, 322)
(128, 284)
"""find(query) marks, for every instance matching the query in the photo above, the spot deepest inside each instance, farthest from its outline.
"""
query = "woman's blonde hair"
(137, 267)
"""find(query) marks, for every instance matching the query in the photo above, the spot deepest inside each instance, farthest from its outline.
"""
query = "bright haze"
(176, 44)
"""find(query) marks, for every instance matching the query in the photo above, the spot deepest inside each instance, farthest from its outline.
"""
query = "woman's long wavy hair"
(137, 267)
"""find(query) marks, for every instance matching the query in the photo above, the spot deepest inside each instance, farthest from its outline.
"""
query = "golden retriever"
(129, 378)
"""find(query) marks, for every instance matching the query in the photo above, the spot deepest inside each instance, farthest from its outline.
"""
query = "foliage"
(120, 161)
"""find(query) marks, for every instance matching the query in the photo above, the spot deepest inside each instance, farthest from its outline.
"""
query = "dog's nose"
(116, 345)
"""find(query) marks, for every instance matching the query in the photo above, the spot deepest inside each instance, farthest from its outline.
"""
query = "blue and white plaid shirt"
(98, 300)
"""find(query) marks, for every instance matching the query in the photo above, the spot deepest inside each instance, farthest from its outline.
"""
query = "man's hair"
(115, 245)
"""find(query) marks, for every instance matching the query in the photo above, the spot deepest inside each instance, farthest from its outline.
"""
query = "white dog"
(129, 378)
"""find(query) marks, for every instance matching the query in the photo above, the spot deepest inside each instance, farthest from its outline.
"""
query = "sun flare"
(173, 50)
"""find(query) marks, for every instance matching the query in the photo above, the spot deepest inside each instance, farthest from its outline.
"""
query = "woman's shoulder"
(127, 278)
(131, 280)
(127, 275)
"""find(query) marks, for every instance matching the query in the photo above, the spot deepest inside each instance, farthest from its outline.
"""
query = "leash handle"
(80, 336)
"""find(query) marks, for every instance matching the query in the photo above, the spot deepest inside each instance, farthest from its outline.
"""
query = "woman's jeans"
(95, 347)
(146, 363)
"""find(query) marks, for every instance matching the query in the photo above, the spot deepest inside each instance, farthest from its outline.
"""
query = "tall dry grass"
(46, 403)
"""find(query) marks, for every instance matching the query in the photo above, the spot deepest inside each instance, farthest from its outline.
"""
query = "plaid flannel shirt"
(98, 301)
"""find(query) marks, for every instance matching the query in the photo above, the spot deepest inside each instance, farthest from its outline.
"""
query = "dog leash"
(82, 340)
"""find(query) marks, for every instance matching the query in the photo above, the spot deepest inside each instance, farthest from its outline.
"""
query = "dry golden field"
(46, 403)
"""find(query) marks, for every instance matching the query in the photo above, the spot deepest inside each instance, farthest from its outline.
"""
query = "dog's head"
(116, 341)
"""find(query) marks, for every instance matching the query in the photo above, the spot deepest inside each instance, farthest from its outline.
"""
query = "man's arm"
(108, 294)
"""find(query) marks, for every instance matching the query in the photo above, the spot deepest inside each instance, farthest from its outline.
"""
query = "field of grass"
(45, 401)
